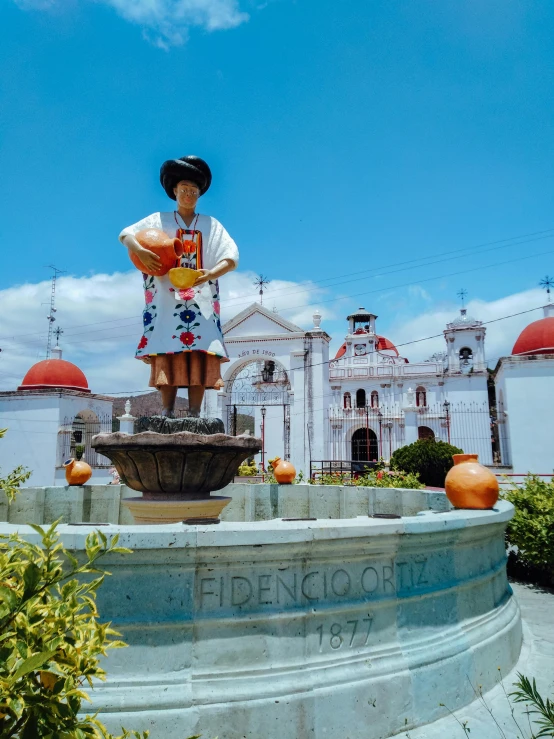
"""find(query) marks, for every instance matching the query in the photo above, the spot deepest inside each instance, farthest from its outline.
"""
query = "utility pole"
(51, 318)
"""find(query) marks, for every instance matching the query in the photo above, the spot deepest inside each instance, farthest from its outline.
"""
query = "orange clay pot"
(284, 471)
(77, 472)
(470, 485)
(166, 248)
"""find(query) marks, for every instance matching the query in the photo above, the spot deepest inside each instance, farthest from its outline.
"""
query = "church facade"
(360, 405)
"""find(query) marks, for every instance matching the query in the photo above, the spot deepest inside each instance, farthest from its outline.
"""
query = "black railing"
(347, 467)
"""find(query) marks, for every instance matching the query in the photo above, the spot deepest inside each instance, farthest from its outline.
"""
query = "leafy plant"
(50, 637)
(79, 451)
(539, 710)
(532, 528)
(544, 710)
(375, 478)
(428, 458)
(10, 484)
(248, 469)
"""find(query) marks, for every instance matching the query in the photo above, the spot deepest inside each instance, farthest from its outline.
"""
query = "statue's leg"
(196, 396)
(169, 393)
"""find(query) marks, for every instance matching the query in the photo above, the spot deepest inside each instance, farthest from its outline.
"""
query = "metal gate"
(258, 383)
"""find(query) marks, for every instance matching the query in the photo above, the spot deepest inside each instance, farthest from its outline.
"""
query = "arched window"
(360, 398)
(424, 432)
(347, 401)
(466, 358)
(421, 396)
(374, 399)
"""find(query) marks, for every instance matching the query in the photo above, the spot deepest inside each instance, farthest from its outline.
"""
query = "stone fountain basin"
(355, 628)
(182, 465)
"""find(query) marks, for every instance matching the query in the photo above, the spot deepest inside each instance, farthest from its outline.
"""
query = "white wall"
(527, 387)
(32, 437)
(35, 423)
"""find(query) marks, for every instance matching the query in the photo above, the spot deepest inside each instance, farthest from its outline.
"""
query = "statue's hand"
(150, 260)
(202, 278)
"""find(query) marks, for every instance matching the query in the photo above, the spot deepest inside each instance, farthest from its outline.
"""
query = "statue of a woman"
(182, 340)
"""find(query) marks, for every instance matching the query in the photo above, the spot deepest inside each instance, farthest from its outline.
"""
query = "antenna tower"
(260, 283)
(50, 317)
(547, 282)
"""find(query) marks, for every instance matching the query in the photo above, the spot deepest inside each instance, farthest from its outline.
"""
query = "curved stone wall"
(353, 628)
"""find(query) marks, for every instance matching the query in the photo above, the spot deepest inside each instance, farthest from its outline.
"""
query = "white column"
(127, 421)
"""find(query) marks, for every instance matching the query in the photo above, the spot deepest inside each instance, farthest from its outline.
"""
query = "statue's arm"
(150, 260)
(220, 269)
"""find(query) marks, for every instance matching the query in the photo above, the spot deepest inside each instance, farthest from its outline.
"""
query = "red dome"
(386, 344)
(536, 338)
(382, 343)
(54, 373)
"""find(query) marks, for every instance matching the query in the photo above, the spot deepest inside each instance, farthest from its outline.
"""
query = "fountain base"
(167, 510)
(176, 470)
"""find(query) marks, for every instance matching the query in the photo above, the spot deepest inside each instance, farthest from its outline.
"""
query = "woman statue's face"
(187, 193)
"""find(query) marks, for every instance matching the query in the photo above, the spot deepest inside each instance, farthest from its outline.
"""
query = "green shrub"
(376, 478)
(51, 640)
(248, 469)
(428, 458)
(532, 528)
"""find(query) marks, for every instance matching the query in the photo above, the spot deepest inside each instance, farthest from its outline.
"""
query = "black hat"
(189, 168)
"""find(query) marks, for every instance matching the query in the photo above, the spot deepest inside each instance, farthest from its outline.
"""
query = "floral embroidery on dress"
(150, 312)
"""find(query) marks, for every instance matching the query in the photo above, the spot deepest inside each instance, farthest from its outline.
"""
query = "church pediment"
(258, 321)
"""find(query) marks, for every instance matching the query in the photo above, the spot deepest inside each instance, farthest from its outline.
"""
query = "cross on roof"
(547, 282)
(462, 295)
(260, 283)
(57, 333)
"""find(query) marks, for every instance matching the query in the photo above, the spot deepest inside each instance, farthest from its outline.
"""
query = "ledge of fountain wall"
(250, 502)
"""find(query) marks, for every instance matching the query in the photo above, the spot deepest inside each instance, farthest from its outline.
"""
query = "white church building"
(360, 405)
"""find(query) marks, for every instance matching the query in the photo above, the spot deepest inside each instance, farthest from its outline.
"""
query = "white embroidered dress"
(184, 320)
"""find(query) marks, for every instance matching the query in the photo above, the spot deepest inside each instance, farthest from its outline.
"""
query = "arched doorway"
(364, 446)
(258, 393)
(424, 432)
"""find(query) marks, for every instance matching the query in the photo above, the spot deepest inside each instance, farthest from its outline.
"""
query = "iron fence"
(370, 433)
(76, 434)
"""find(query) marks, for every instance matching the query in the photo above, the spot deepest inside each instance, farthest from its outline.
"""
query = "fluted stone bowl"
(180, 466)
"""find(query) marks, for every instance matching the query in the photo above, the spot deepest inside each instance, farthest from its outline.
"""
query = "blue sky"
(346, 139)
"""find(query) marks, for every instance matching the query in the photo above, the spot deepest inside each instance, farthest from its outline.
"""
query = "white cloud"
(165, 22)
(500, 336)
(101, 319)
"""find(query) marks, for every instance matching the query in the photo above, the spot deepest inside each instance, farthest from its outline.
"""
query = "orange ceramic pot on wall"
(470, 485)
(77, 472)
(284, 471)
(162, 245)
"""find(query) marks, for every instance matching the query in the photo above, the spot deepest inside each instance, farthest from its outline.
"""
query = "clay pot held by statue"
(470, 485)
(283, 471)
(165, 247)
(77, 472)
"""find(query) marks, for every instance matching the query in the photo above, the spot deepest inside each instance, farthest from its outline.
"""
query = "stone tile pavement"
(536, 660)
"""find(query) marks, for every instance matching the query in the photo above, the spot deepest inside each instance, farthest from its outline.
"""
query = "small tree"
(428, 458)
